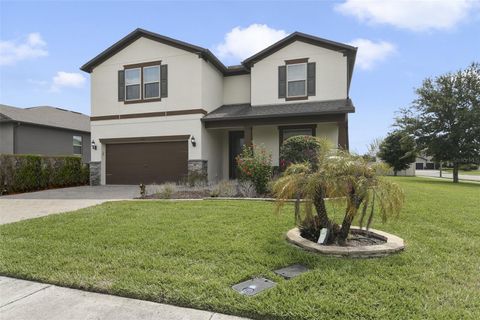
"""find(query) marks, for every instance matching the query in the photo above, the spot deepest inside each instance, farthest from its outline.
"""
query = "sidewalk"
(445, 175)
(24, 300)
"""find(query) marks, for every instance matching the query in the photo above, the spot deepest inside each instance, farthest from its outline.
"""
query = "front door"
(236, 140)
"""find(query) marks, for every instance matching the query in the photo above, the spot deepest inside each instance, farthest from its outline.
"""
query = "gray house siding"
(6, 138)
(34, 139)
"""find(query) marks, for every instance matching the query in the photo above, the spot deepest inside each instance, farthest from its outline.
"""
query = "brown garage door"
(149, 162)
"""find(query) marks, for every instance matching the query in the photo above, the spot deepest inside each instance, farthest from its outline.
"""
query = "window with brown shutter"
(143, 82)
(296, 79)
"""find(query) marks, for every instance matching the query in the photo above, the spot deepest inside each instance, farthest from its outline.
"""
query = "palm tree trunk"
(350, 213)
(319, 202)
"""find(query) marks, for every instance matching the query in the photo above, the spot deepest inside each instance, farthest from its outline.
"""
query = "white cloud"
(12, 51)
(413, 15)
(240, 43)
(67, 79)
(370, 53)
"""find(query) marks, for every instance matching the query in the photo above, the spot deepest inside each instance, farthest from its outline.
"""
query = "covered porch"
(229, 131)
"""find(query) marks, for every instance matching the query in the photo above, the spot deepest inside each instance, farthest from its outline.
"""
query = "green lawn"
(190, 253)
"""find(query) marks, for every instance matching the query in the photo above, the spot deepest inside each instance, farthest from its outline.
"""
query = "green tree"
(398, 151)
(445, 117)
(344, 177)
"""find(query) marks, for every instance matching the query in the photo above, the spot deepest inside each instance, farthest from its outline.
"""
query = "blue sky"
(43, 44)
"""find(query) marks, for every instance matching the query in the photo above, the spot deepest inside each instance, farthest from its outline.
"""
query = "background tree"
(445, 117)
(373, 149)
(398, 150)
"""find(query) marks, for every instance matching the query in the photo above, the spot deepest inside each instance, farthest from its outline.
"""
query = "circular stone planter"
(392, 244)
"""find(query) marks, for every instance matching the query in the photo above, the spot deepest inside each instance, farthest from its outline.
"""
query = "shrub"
(255, 165)
(23, 173)
(167, 190)
(196, 179)
(224, 188)
(299, 149)
(246, 189)
(468, 167)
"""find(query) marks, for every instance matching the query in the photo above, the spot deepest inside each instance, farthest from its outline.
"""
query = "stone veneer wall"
(95, 172)
(198, 170)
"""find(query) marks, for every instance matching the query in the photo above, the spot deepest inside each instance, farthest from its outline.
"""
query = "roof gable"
(349, 51)
(139, 33)
(207, 55)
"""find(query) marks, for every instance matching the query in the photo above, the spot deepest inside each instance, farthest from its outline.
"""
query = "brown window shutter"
(282, 81)
(311, 86)
(121, 85)
(164, 80)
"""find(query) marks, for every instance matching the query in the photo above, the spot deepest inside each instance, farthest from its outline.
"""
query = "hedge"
(23, 173)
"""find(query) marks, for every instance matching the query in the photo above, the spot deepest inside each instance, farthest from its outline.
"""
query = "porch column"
(248, 135)
(343, 133)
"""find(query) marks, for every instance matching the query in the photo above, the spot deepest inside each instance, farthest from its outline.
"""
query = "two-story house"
(163, 108)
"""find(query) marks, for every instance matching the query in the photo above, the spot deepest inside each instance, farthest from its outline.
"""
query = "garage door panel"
(153, 162)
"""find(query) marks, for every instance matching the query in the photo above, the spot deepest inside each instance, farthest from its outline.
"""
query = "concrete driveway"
(41, 203)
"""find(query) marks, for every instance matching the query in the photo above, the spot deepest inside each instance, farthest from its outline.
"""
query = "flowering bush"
(255, 165)
(300, 149)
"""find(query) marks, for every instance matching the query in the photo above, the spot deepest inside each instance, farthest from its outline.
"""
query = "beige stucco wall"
(331, 73)
(212, 86)
(184, 79)
(236, 89)
(212, 150)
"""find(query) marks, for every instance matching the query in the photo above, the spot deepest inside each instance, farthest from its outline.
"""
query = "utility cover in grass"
(253, 286)
(291, 271)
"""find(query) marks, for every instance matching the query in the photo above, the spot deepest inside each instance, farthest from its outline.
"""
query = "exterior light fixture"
(192, 140)
(94, 146)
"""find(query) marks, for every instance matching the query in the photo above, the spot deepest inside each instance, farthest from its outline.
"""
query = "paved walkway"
(41, 203)
(436, 174)
(25, 300)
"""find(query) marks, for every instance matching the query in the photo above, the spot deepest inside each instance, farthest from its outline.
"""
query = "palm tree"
(344, 177)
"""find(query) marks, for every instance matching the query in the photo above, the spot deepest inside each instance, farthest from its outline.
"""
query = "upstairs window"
(151, 82)
(132, 84)
(77, 145)
(297, 80)
(143, 82)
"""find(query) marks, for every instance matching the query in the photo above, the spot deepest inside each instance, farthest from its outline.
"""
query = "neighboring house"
(409, 172)
(424, 162)
(45, 131)
(163, 109)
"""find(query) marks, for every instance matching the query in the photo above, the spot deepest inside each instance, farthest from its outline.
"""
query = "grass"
(190, 253)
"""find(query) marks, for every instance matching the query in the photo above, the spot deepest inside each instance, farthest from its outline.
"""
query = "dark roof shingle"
(246, 111)
(46, 116)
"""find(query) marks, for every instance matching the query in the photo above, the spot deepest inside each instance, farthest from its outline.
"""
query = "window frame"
(144, 83)
(287, 96)
(81, 144)
(281, 129)
(141, 66)
(139, 84)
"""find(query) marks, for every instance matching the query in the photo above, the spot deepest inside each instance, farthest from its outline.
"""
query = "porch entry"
(236, 140)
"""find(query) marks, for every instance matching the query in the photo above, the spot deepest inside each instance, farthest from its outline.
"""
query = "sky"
(400, 43)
